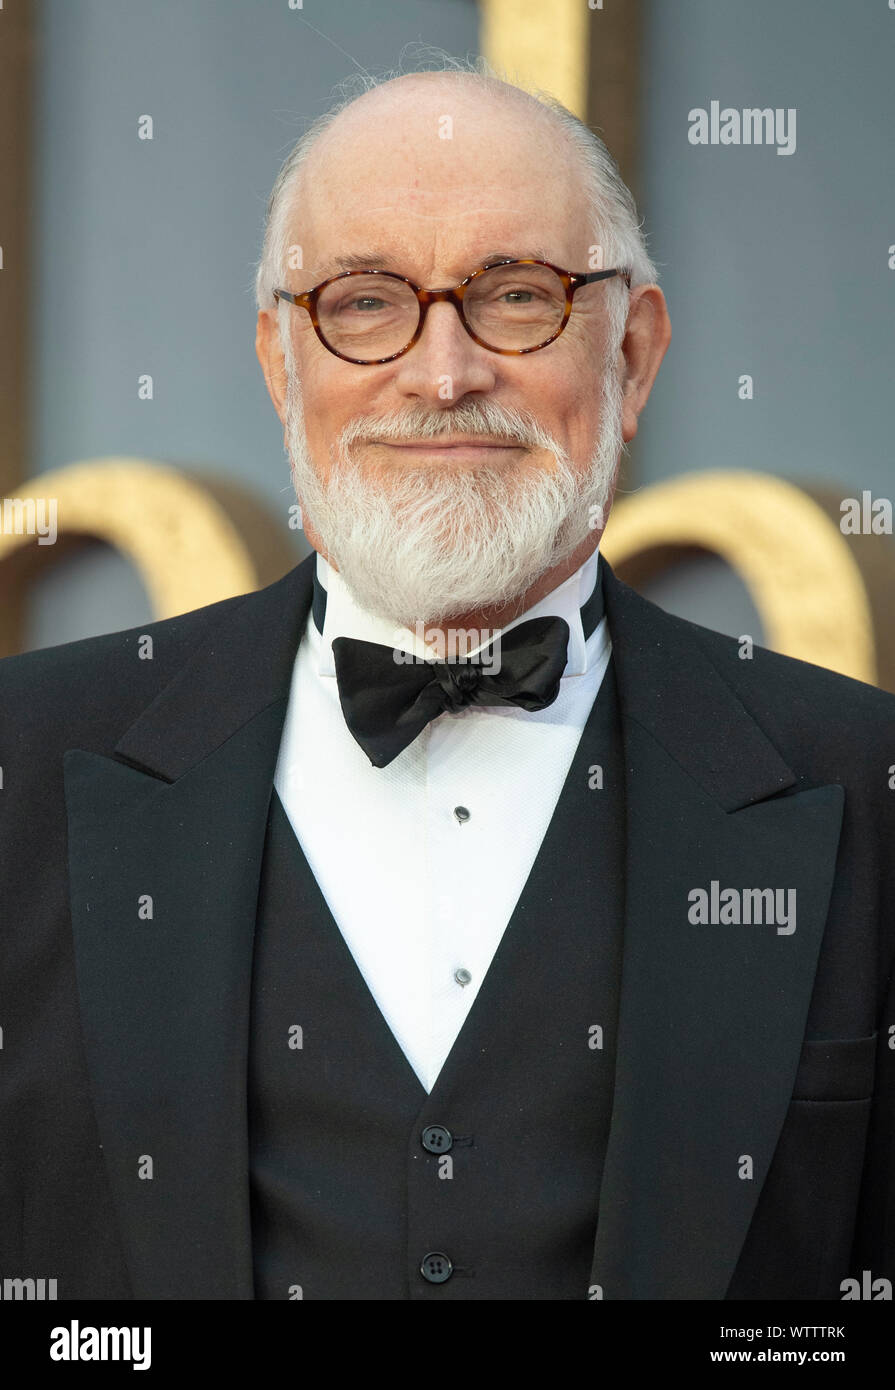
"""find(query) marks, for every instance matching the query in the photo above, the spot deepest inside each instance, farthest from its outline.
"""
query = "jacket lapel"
(165, 847)
(712, 1017)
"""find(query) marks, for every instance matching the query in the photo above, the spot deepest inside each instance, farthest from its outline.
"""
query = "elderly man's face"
(433, 209)
(431, 179)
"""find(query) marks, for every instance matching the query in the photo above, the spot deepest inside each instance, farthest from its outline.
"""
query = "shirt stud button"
(462, 976)
(461, 813)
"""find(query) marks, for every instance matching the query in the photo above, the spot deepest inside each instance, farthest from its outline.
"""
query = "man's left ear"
(647, 335)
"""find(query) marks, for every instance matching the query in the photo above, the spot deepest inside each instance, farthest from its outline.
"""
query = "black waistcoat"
(490, 1183)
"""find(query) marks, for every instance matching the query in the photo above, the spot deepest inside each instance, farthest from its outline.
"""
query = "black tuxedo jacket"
(752, 1144)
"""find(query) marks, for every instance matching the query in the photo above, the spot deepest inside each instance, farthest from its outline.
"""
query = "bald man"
(445, 921)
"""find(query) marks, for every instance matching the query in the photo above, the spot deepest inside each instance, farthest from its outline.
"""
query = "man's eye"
(365, 303)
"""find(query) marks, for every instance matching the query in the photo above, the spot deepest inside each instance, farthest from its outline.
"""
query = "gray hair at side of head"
(614, 218)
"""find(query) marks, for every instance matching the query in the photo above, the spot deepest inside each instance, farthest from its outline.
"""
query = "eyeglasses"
(511, 307)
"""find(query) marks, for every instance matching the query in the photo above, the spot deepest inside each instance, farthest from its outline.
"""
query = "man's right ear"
(269, 352)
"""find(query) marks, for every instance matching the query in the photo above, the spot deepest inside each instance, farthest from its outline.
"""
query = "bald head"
(434, 137)
(458, 134)
(431, 169)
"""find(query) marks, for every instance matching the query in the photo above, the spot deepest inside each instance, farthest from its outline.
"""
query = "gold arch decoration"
(539, 45)
(192, 541)
(797, 566)
(585, 52)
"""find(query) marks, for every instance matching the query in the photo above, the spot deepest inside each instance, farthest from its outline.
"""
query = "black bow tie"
(388, 699)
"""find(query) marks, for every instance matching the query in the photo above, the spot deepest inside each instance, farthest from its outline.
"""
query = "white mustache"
(473, 420)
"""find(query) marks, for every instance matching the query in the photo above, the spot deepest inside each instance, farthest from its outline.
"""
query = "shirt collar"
(345, 618)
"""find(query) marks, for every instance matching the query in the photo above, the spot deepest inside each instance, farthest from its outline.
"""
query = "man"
(445, 921)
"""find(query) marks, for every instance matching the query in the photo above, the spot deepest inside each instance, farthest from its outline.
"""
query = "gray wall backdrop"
(773, 265)
(144, 251)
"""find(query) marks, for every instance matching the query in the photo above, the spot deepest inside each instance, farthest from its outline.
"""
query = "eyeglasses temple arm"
(602, 275)
(299, 299)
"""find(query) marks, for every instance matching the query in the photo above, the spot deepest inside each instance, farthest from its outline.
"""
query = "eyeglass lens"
(371, 316)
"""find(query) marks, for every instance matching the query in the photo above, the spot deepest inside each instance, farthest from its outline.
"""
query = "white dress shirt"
(419, 894)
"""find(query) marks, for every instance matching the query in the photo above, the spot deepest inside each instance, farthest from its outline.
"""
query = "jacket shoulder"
(81, 684)
(796, 698)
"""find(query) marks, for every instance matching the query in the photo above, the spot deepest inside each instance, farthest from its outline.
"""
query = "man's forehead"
(427, 195)
(390, 236)
(377, 171)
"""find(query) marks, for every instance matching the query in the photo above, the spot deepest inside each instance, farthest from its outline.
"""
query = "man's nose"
(445, 362)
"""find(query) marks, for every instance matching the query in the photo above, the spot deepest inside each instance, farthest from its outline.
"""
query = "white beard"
(420, 544)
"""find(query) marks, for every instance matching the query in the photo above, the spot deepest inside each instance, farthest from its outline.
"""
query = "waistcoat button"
(436, 1267)
(436, 1139)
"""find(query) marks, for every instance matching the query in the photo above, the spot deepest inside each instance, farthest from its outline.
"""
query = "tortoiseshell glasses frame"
(570, 281)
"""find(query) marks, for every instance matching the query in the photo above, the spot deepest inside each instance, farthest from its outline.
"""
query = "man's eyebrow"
(534, 253)
(374, 260)
(378, 260)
